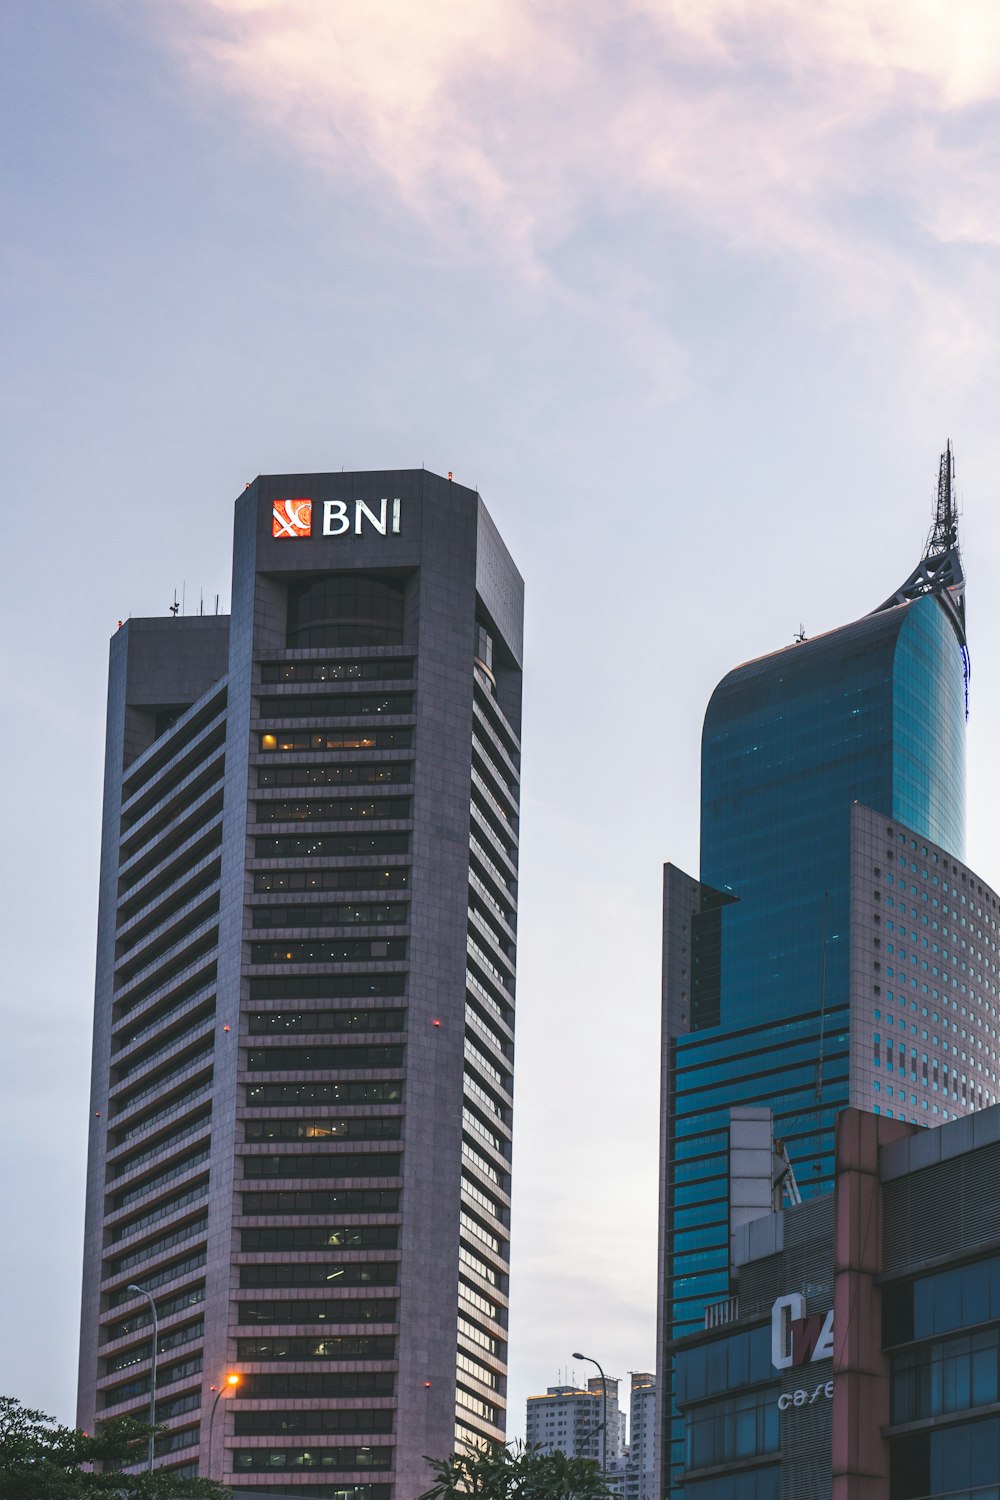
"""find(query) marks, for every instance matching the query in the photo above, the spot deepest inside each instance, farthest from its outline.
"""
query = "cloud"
(848, 141)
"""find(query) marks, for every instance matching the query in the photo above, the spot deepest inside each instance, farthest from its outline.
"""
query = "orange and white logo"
(292, 518)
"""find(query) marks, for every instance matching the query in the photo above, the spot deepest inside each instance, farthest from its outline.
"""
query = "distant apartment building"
(632, 1476)
(570, 1419)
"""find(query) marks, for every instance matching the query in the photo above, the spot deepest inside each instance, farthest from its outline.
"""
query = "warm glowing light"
(232, 1380)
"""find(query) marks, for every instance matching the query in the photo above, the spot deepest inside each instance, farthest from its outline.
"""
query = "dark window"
(282, 1059)
(335, 706)
(947, 1461)
(324, 845)
(327, 1201)
(954, 1374)
(280, 1022)
(328, 951)
(331, 880)
(363, 774)
(345, 914)
(322, 810)
(338, 1346)
(355, 1129)
(325, 1093)
(344, 1311)
(276, 1423)
(322, 1237)
(327, 986)
(336, 739)
(269, 1459)
(345, 609)
(740, 1427)
(383, 668)
(329, 1164)
(375, 1273)
(320, 1383)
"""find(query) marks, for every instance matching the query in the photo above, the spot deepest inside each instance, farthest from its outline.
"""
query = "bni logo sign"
(292, 518)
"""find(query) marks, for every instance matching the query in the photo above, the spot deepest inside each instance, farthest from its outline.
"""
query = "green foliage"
(518, 1473)
(39, 1460)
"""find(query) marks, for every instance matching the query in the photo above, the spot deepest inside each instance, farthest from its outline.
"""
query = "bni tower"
(303, 1044)
(835, 950)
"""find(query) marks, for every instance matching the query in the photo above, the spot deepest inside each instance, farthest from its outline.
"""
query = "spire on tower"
(939, 571)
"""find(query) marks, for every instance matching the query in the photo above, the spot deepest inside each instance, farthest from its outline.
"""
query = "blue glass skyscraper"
(822, 764)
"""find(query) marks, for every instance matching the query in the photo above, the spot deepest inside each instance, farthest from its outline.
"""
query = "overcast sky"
(693, 291)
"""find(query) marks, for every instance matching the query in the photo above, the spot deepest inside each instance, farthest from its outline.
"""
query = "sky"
(693, 291)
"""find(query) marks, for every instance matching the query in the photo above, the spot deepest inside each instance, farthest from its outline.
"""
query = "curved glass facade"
(872, 713)
(928, 729)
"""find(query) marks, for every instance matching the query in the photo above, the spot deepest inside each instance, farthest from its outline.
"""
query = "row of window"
(277, 1386)
(192, 1297)
(281, 1022)
(352, 1273)
(334, 706)
(381, 669)
(322, 1201)
(330, 1164)
(323, 810)
(358, 1128)
(322, 1059)
(286, 740)
(339, 1346)
(346, 913)
(330, 845)
(331, 880)
(322, 1237)
(953, 1375)
(268, 1459)
(345, 1311)
(743, 1426)
(387, 1092)
(363, 773)
(327, 986)
(959, 1297)
(276, 1423)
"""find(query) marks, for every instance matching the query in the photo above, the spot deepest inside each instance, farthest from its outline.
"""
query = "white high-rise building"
(570, 1419)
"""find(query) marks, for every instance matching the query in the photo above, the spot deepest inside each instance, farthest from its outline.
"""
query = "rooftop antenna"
(939, 571)
(216, 604)
(800, 634)
(175, 606)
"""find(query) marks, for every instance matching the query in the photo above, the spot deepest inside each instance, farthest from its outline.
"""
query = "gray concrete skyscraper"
(303, 1041)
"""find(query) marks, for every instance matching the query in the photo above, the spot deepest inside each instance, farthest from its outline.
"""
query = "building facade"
(633, 1476)
(303, 1042)
(834, 929)
(859, 1353)
(570, 1419)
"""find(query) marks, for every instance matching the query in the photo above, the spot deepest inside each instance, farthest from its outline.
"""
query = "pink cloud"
(764, 124)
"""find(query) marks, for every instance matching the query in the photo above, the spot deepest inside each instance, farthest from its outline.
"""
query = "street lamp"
(152, 1367)
(229, 1384)
(604, 1423)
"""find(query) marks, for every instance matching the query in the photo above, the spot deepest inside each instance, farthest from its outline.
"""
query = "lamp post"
(604, 1405)
(152, 1366)
(229, 1384)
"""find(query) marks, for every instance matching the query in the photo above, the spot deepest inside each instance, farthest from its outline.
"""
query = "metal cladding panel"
(945, 1209)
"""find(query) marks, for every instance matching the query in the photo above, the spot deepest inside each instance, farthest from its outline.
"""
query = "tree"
(518, 1473)
(40, 1460)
